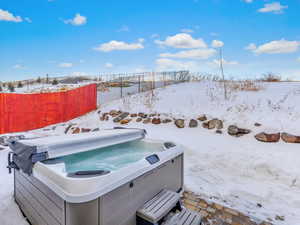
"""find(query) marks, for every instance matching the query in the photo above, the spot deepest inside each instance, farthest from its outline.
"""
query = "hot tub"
(99, 178)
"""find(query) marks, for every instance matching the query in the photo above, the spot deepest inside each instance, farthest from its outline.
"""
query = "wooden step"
(185, 217)
(159, 206)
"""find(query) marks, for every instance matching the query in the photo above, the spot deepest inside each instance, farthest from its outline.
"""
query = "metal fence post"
(121, 79)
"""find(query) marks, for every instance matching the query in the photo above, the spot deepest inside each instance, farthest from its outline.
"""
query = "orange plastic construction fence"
(23, 112)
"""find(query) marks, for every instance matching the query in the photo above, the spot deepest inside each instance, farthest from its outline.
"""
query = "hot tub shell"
(49, 198)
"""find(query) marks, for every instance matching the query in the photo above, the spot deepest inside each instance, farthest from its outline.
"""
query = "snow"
(238, 172)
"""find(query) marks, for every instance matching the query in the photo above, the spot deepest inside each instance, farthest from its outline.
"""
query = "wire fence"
(115, 86)
(110, 86)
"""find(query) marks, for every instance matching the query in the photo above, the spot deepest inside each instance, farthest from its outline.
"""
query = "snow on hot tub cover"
(27, 152)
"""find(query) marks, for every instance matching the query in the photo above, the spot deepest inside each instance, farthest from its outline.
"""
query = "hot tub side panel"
(40, 205)
(44, 207)
(120, 205)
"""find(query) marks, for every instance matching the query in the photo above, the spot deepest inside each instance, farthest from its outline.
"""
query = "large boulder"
(125, 121)
(139, 119)
(215, 123)
(264, 137)
(289, 138)
(179, 123)
(167, 120)
(85, 130)
(121, 117)
(114, 113)
(143, 115)
(156, 121)
(202, 118)
(236, 131)
(147, 120)
(76, 130)
(193, 123)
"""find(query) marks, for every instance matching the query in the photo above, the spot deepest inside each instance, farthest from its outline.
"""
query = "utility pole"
(222, 73)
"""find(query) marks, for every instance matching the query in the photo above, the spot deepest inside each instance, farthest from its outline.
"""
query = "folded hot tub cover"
(27, 152)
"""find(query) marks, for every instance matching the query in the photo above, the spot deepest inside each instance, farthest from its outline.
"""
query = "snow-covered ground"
(239, 172)
(44, 88)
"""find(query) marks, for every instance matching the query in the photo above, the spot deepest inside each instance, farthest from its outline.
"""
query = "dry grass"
(271, 77)
(245, 85)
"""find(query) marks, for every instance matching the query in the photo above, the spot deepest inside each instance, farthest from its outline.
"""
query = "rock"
(139, 119)
(279, 218)
(289, 138)
(193, 123)
(121, 117)
(264, 137)
(96, 129)
(179, 123)
(167, 121)
(125, 121)
(215, 123)
(146, 121)
(133, 115)
(219, 131)
(114, 113)
(205, 125)
(202, 118)
(76, 130)
(104, 116)
(257, 124)
(143, 115)
(236, 131)
(85, 130)
(233, 130)
(156, 121)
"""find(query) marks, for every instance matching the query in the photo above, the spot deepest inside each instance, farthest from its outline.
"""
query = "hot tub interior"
(109, 158)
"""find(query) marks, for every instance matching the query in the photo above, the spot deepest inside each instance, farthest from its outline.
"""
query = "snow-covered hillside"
(260, 179)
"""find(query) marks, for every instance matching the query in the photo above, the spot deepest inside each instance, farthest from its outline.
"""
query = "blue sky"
(63, 37)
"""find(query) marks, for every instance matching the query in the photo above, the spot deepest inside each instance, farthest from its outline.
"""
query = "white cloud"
(225, 62)
(7, 16)
(214, 34)
(65, 65)
(186, 30)
(109, 65)
(28, 20)
(217, 44)
(170, 64)
(274, 7)
(275, 47)
(154, 36)
(124, 28)
(248, 1)
(191, 54)
(78, 20)
(251, 47)
(18, 66)
(119, 45)
(182, 40)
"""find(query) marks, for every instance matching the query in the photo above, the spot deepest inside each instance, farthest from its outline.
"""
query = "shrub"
(20, 85)
(38, 80)
(11, 87)
(271, 77)
(54, 82)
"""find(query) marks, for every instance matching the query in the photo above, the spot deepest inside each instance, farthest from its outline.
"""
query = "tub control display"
(152, 159)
